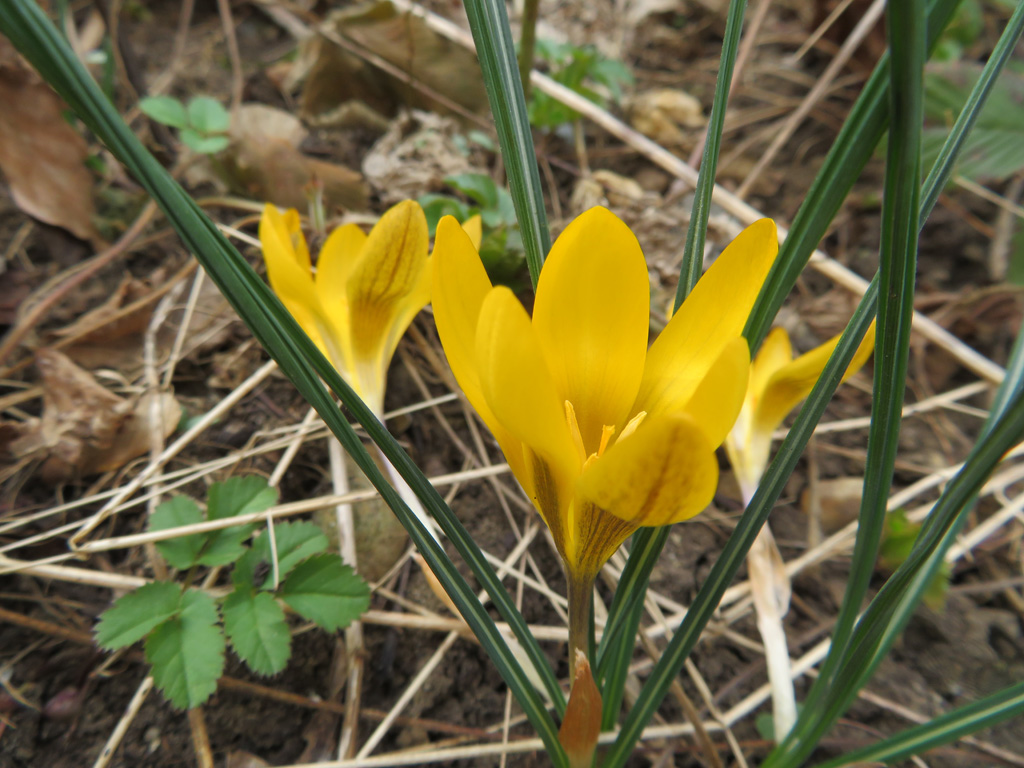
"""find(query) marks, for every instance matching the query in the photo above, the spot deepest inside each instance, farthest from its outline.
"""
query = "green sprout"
(582, 69)
(202, 125)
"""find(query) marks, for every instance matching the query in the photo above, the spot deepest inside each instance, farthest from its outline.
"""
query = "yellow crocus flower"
(604, 434)
(778, 383)
(364, 293)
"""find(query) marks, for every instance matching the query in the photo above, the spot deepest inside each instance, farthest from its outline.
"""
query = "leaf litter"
(464, 688)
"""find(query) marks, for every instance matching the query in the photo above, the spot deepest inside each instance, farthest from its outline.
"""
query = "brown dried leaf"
(406, 43)
(86, 429)
(663, 114)
(110, 335)
(264, 162)
(414, 156)
(41, 156)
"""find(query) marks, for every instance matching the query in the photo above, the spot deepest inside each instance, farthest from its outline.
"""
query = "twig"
(811, 41)
(850, 45)
(81, 273)
(354, 649)
(114, 740)
(237, 80)
(209, 418)
(200, 737)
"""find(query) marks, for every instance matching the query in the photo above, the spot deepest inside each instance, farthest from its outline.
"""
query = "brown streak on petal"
(600, 534)
(545, 498)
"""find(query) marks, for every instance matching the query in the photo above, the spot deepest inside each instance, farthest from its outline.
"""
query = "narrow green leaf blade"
(984, 713)
(488, 20)
(324, 590)
(256, 626)
(900, 215)
(187, 652)
(182, 552)
(693, 250)
(735, 551)
(851, 150)
(134, 615)
(971, 111)
(23, 22)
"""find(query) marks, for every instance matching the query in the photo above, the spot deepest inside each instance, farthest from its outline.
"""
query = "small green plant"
(897, 542)
(995, 148)
(582, 69)
(202, 125)
(185, 628)
(501, 248)
(965, 28)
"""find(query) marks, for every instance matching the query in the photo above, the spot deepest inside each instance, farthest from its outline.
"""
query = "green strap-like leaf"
(851, 150)
(693, 252)
(735, 551)
(488, 20)
(888, 613)
(900, 213)
(24, 23)
(984, 713)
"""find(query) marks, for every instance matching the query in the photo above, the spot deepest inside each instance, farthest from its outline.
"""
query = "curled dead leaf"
(86, 429)
(663, 114)
(414, 156)
(424, 70)
(264, 162)
(41, 155)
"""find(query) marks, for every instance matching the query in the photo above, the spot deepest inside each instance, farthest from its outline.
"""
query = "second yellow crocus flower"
(363, 295)
(777, 385)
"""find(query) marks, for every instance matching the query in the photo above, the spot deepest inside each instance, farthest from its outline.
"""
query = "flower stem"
(580, 593)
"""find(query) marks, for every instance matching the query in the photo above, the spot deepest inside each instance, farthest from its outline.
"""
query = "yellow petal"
(382, 290)
(716, 402)
(288, 269)
(285, 230)
(459, 286)
(338, 256)
(664, 472)
(712, 315)
(474, 227)
(521, 394)
(775, 353)
(591, 316)
(794, 381)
